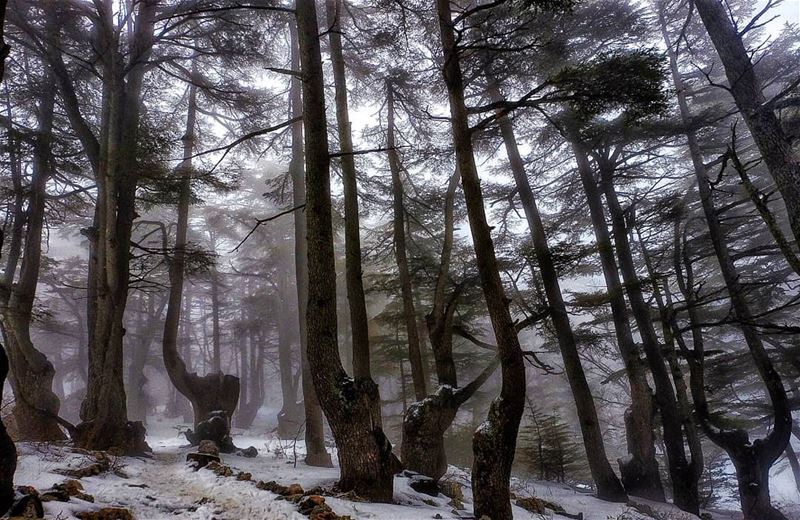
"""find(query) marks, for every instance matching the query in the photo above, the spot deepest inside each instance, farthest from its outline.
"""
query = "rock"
(532, 504)
(310, 503)
(107, 513)
(215, 428)
(55, 495)
(295, 489)
(244, 476)
(273, 487)
(74, 488)
(220, 469)
(324, 515)
(201, 460)
(422, 484)
(250, 452)
(208, 447)
(27, 506)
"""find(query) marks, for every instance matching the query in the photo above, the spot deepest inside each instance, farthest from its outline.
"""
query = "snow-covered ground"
(164, 487)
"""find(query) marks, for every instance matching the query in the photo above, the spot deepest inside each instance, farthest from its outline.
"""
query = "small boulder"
(27, 506)
(454, 491)
(250, 452)
(208, 447)
(532, 504)
(201, 460)
(220, 469)
(422, 484)
(272, 487)
(107, 513)
(294, 489)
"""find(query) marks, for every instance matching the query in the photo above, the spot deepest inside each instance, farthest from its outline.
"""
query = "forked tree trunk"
(494, 443)
(351, 406)
(104, 411)
(400, 253)
(639, 474)
(214, 391)
(751, 459)
(684, 474)
(316, 453)
(36, 407)
(776, 146)
(352, 232)
(607, 483)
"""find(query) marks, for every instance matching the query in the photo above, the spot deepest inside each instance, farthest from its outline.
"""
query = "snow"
(163, 487)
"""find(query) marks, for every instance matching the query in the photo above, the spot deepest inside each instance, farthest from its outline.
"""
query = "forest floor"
(164, 487)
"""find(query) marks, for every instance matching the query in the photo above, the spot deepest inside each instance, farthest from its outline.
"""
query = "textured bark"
(214, 391)
(400, 253)
(607, 483)
(103, 411)
(149, 316)
(352, 231)
(775, 145)
(290, 417)
(640, 474)
(8, 452)
(316, 453)
(31, 375)
(751, 459)
(495, 440)
(683, 473)
(351, 406)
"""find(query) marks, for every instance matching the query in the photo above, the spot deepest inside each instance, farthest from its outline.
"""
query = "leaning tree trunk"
(351, 406)
(352, 232)
(494, 443)
(607, 483)
(400, 253)
(776, 146)
(752, 460)
(316, 453)
(214, 391)
(104, 411)
(684, 475)
(36, 407)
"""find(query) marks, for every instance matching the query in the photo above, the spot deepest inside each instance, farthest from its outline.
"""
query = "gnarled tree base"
(35, 426)
(424, 426)
(211, 393)
(752, 477)
(641, 478)
(127, 438)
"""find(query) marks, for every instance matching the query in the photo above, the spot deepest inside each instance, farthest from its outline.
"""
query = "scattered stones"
(102, 465)
(295, 489)
(272, 487)
(74, 488)
(55, 495)
(107, 513)
(201, 460)
(244, 476)
(27, 505)
(250, 452)
(532, 504)
(220, 469)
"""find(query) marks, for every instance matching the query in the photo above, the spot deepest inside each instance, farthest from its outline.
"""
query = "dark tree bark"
(684, 474)
(214, 391)
(149, 316)
(352, 230)
(495, 440)
(400, 253)
(640, 474)
(8, 452)
(316, 454)
(351, 406)
(607, 483)
(290, 417)
(751, 459)
(114, 157)
(775, 145)
(31, 377)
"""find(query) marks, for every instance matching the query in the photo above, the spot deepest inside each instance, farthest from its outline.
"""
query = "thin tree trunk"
(352, 232)
(400, 253)
(316, 453)
(289, 418)
(683, 473)
(776, 147)
(494, 443)
(352, 406)
(214, 391)
(607, 483)
(752, 460)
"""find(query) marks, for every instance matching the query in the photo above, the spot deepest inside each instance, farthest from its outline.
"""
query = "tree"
(365, 456)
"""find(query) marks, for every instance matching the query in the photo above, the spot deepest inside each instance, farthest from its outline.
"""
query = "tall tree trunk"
(776, 147)
(607, 483)
(640, 474)
(400, 253)
(104, 411)
(316, 453)
(684, 475)
(214, 391)
(752, 460)
(494, 443)
(290, 418)
(31, 377)
(352, 232)
(352, 406)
